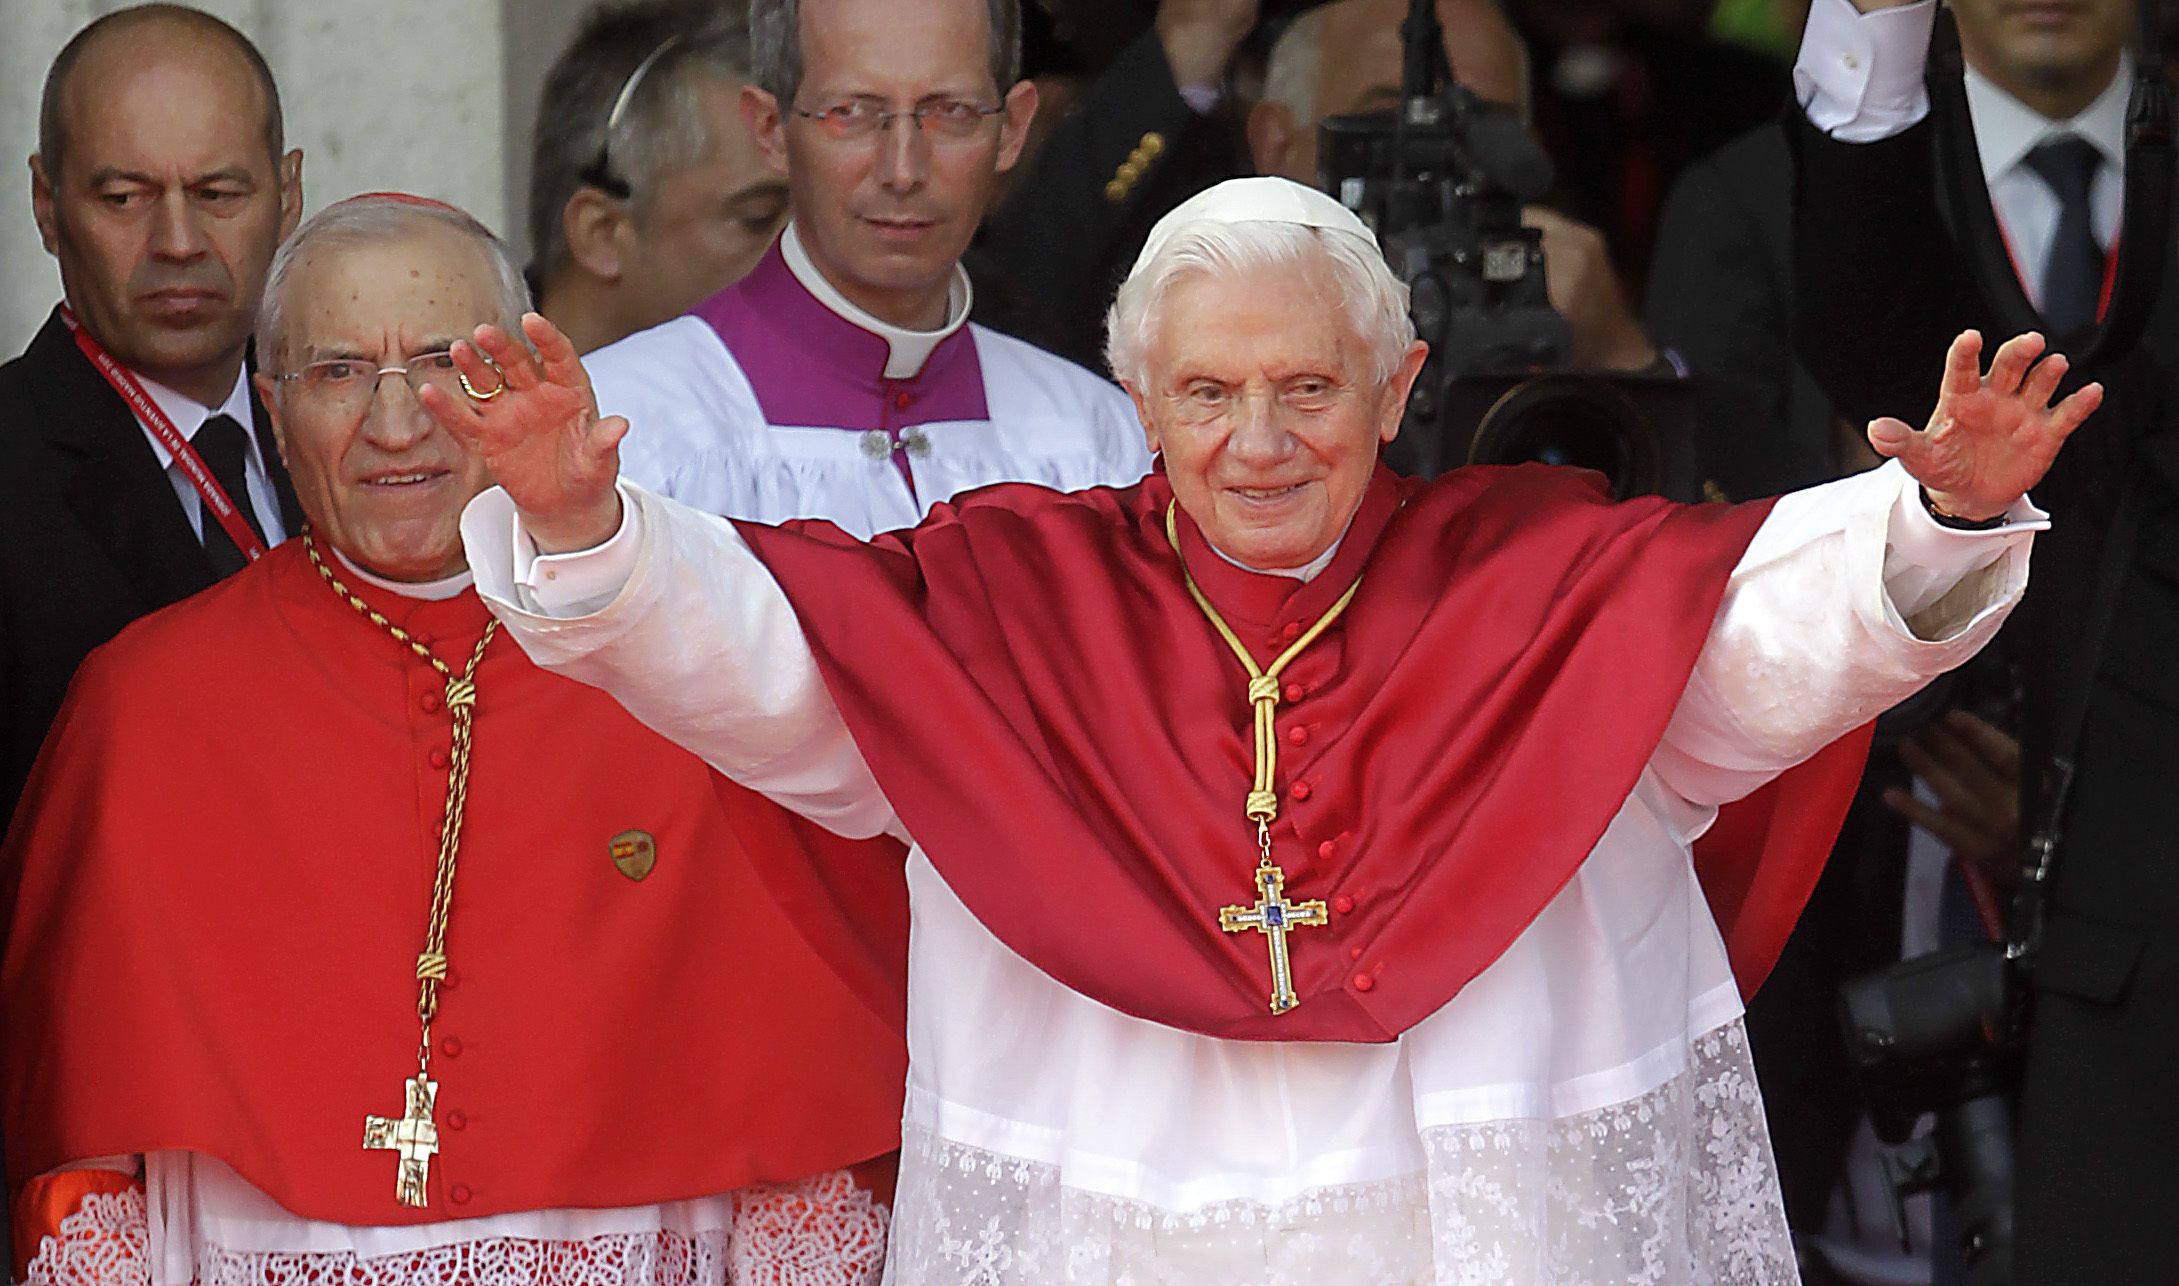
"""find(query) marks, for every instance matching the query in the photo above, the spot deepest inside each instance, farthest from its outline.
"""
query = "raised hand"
(1992, 436)
(541, 435)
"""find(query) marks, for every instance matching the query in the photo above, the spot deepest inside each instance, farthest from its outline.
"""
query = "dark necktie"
(221, 443)
(2073, 275)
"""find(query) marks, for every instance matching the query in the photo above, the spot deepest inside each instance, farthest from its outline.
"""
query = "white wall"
(427, 96)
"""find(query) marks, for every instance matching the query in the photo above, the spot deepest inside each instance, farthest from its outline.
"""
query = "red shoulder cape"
(1068, 739)
(218, 882)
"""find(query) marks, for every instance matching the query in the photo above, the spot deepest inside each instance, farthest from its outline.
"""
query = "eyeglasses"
(599, 173)
(346, 385)
(858, 120)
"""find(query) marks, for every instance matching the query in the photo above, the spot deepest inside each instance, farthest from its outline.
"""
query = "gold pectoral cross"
(1273, 916)
(414, 1137)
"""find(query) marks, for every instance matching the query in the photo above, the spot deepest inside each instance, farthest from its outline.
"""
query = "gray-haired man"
(646, 192)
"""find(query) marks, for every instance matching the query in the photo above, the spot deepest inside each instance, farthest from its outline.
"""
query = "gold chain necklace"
(414, 1135)
(1272, 915)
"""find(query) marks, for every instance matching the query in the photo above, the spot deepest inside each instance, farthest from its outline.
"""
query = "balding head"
(161, 189)
(192, 41)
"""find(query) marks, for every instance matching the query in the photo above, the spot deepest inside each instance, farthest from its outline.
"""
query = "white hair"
(381, 217)
(1294, 72)
(1376, 301)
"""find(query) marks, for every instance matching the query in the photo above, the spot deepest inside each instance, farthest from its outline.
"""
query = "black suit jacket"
(92, 535)
(1883, 286)
(1721, 295)
(1073, 225)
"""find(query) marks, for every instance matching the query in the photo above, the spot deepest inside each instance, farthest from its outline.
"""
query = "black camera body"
(1940, 1034)
(1442, 181)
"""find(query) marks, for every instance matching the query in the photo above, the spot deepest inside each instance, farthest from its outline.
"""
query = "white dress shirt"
(1583, 1111)
(188, 416)
(1860, 78)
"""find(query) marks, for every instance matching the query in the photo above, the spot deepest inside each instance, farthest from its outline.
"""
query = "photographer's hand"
(1201, 37)
(1974, 770)
(1585, 289)
(1485, 54)
(1992, 436)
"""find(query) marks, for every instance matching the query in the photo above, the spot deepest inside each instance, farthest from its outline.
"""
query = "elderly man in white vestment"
(1491, 714)
(842, 378)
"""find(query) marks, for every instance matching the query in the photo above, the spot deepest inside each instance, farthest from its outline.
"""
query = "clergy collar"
(430, 591)
(2006, 129)
(906, 350)
(1274, 597)
(188, 415)
(1305, 573)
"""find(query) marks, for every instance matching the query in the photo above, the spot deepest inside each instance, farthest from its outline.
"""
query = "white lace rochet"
(823, 1231)
(1676, 1186)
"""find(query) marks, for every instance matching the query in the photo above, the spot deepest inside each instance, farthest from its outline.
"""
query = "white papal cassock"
(777, 398)
(1583, 1111)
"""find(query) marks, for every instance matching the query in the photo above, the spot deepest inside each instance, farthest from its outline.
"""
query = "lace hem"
(822, 1231)
(1674, 1186)
(106, 1241)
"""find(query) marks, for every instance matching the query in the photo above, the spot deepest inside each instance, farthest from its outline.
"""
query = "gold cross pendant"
(414, 1137)
(1272, 916)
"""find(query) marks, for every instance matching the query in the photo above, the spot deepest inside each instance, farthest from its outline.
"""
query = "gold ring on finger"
(471, 389)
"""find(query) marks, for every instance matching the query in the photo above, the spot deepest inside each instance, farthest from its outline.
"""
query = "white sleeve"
(682, 624)
(1849, 599)
(1859, 75)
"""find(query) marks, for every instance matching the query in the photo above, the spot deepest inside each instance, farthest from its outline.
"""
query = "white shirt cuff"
(1924, 560)
(586, 581)
(1859, 75)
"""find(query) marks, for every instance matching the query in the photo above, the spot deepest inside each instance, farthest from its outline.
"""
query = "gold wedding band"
(471, 389)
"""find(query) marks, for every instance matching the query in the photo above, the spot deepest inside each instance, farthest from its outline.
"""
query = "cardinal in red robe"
(343, 942)
(1312, 871)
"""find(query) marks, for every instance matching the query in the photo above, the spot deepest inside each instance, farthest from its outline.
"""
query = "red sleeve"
(1759, 862)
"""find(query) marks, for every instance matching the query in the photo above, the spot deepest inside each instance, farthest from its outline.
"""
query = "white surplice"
(1583, 1111)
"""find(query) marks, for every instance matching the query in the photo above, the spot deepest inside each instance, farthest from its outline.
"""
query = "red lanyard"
(131, 389)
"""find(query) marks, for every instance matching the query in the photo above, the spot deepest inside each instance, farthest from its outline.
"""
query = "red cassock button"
(458, 1194)
(1299, 790)
(1297, 736)
(901, 401)
(1342, 904)
(1354, 953)
(451, 981)
(438, 758)
(457, 1120)
(1326, 849)
(1291, 632)
(1293, 693)
(451, 1047)
(429, 701)
(1363, 982)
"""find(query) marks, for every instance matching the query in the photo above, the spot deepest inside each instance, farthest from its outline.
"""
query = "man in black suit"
(1881, 276)
(161, 187)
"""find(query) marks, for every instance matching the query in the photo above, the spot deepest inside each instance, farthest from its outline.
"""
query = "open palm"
(1992, 436)
(540, 434)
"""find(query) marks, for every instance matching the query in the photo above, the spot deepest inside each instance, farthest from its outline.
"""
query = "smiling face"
(1264, 400)
(166, 204)
(383, 483)
(886, 218)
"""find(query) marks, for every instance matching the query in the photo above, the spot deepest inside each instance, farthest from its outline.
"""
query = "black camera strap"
(2069, 721)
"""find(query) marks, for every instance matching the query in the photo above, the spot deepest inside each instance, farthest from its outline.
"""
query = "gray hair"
(382, 216)
(663, 127)
(775, 40)
(1294, 73)
(1376, 301)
